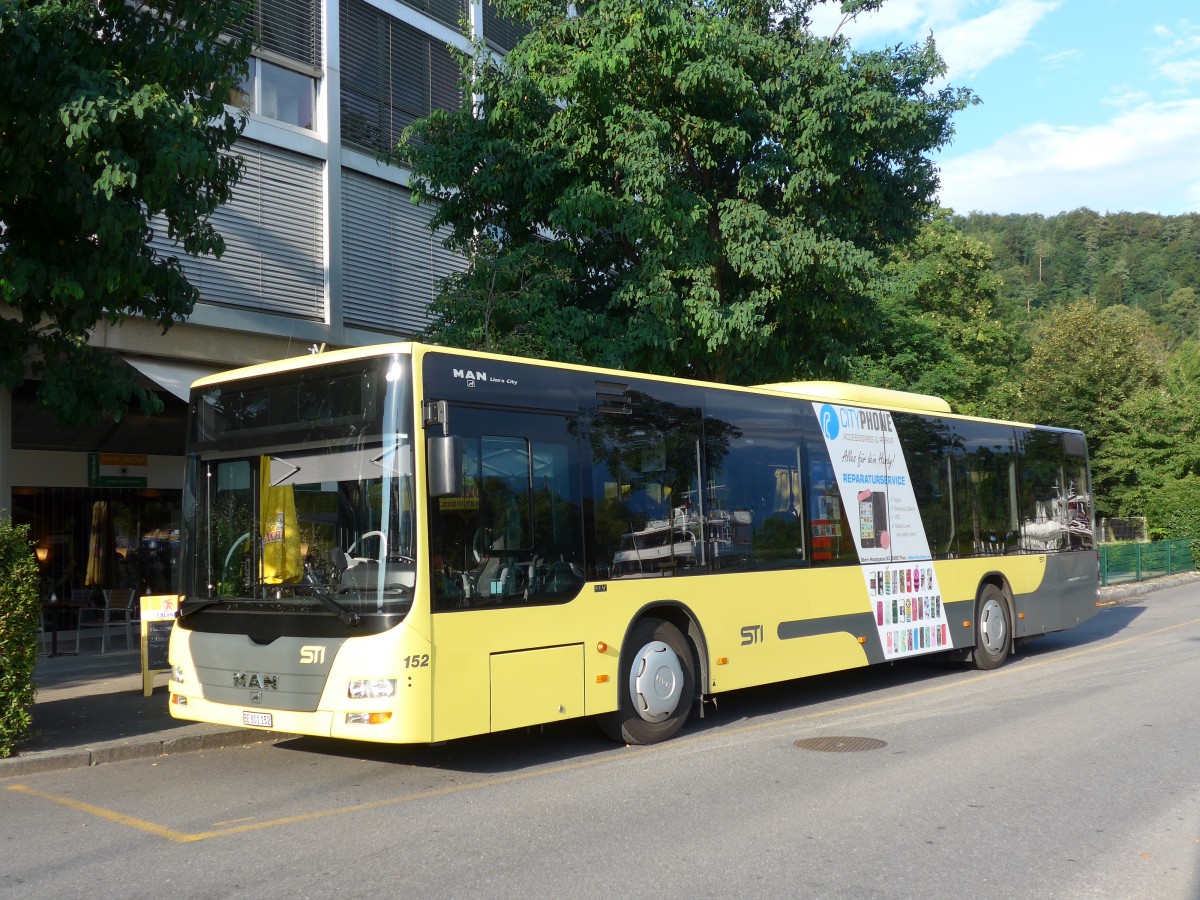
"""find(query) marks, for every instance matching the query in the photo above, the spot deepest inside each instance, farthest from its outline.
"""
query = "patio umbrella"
(99, 546)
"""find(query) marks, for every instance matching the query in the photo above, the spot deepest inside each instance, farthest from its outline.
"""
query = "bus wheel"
(660, 680)
(992, 629)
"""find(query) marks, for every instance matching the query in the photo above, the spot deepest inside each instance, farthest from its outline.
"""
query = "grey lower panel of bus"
(864, 625)
(289, 673)
(1067, 596)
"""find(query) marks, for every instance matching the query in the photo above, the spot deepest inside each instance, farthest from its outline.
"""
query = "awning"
(175, 377)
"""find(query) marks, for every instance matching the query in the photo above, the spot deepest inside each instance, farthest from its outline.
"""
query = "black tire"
(657, 685)
(993, 628)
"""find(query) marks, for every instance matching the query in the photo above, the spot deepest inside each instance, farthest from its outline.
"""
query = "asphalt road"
(1070, 773)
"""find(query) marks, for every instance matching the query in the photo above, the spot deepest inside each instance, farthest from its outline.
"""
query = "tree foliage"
(119, 117)
(1140, 260)
(1096, 370)
(18, 632)
(1087, 361)
(684, 186)
(940, 334)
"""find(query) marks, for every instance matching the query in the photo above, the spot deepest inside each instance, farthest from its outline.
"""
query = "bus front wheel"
(993, 630)
(658, 683)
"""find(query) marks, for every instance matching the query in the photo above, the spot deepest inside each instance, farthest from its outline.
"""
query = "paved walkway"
(90, 708)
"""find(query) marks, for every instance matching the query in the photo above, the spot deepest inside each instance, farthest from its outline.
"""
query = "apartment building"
(324, 247)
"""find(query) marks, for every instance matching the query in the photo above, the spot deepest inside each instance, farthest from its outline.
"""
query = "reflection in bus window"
(513, 536)
(649, 516)
(753, 489)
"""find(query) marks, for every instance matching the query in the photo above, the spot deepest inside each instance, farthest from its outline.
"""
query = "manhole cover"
(835, 744)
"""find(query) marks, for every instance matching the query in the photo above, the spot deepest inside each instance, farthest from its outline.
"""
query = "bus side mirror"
(445, 458)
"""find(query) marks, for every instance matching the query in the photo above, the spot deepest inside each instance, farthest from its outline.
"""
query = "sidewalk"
(90, 709)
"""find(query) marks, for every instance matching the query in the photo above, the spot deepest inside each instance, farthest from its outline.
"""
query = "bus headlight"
(177, 674)
(371, 688)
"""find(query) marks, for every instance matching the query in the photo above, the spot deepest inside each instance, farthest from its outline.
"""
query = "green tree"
(114, 116)
(1085, 362)
(1086, 367)
(1155, 442)
(1173, 510)
(940, 333)
(682, 186)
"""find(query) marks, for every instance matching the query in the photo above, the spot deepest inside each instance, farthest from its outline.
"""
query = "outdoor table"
(55, 611)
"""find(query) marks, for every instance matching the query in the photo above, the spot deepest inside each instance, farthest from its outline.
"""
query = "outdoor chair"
(117, 610)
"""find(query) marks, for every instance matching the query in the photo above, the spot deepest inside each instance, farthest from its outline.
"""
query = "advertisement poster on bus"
(885, 521)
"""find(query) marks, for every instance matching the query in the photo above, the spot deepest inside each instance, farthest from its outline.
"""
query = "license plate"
(261, 719)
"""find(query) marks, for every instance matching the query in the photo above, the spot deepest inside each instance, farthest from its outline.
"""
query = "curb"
(1115, 595)
(58, 760)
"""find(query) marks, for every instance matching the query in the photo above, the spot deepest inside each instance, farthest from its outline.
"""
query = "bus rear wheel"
(658, 683)
(993, 630)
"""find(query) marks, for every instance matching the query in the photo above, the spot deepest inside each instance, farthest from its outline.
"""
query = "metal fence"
(1120, 563)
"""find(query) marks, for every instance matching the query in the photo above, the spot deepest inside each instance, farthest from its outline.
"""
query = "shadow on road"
(579, 739)
(1108, 623)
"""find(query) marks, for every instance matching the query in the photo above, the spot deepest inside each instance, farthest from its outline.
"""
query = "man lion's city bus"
(409, 543)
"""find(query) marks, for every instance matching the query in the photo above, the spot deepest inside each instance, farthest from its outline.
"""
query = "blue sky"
(1090, 103)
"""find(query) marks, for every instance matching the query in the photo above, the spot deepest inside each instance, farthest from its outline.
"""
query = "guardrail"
(1123, 562)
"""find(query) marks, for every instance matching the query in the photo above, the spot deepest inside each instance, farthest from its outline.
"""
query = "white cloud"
(1056, 60)
(1178, 60)
(1144, 159)
(966, 42)
(1181, 72)
(970, 46)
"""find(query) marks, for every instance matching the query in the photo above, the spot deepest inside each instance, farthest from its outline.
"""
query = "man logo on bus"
(470, 376)
(829, 422)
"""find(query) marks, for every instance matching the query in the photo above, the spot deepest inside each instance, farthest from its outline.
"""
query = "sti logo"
(312, 654)
(470, 376)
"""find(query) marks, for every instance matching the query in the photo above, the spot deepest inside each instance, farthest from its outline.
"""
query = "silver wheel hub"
(992, 629)
(656, 681)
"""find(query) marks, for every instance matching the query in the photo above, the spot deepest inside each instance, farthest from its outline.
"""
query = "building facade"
(323, 248)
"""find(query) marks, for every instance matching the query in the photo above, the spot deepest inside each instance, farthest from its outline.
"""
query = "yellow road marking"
(181, 837)
(111, 815)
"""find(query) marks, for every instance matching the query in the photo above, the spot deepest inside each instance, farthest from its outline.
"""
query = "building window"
(501, 32)
(277, 93)
(449, 12)
(290, 32)
(290, 29)
(392, 75)
(274, 235)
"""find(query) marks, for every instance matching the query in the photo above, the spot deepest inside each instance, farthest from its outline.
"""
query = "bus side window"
(1077, 494)
(1043, 501)
(928, 446)
(647, 511)
(754, 492)
(514, 536)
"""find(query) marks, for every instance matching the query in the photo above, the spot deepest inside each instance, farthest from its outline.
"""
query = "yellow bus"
(409, 543)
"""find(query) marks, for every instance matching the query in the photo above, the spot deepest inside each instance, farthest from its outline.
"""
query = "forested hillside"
(1080, 320)
(1143, 261)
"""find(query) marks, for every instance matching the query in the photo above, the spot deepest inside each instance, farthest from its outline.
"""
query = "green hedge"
(18, 632)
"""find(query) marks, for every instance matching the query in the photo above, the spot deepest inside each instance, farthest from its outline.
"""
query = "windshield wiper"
(182, 614)
(347, 616)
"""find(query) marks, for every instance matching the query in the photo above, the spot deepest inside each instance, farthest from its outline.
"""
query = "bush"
(1173, 511)
(18, 632)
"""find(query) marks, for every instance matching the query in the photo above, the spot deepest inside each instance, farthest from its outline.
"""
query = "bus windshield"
(300, 520)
